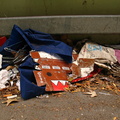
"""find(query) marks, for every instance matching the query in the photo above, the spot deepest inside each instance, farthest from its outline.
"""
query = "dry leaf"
(92, 93)
(9, 101)
(7, 95)
(115, 118)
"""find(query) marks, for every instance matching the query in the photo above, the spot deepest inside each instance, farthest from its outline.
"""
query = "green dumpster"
(14, 8)
(95, 19)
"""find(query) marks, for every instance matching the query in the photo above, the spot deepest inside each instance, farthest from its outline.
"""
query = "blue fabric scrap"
(37, 41)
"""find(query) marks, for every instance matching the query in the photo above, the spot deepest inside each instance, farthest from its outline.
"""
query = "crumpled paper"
(99, 52)
(0, 61)
(4, 76)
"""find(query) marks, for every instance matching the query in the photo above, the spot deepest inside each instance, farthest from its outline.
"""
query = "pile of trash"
(33, 63)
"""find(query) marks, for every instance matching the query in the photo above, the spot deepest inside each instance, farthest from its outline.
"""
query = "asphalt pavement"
(66, 106)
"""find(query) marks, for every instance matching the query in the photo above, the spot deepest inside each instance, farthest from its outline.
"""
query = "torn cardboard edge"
(51, 71)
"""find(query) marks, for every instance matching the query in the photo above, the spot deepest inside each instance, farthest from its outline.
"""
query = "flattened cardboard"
(82, 63)
(74, 56)
(62, 64)
(52, 72)
(54, 64)
(34, 54)
(76, 70)
(86, 62)
(54, 80)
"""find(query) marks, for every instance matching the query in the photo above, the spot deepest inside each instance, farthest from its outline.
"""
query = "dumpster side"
(17, 8)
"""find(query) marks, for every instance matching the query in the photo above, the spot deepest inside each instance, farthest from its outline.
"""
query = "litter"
(92, 93)
(4, 77)
(83, 67)
(103, 93)
(39, 64)
(101, 54)
(2, 40)
(43, 96)
(11, 97)
(1, 61)
(9, 101)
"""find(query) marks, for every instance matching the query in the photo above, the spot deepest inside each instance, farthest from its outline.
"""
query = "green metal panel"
(15, 8)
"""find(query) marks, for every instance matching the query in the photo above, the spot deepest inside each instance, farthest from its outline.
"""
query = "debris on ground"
(33, 64)
(9, 101)
(2, 40)
(92, 93)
